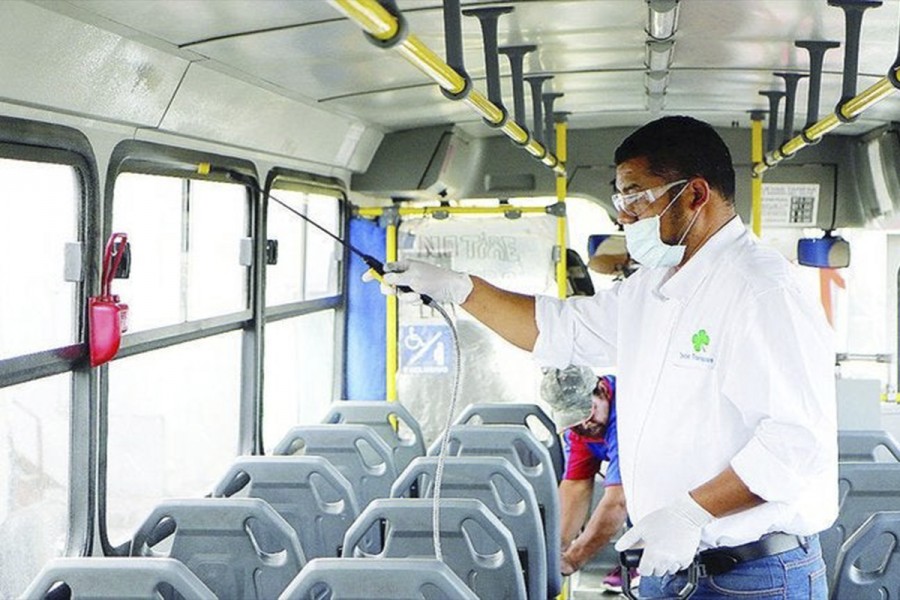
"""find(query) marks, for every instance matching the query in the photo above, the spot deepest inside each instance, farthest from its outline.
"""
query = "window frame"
(35, 141)
(317, 184)
(148, 158)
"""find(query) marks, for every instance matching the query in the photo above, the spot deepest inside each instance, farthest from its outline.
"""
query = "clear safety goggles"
(637, 202)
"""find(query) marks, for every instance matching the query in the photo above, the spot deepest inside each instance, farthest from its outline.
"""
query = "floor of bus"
(587, 585)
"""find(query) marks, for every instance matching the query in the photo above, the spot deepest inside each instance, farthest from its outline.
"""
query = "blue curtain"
(364, 377)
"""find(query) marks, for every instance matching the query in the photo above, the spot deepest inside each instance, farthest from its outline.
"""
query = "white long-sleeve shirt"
(722, 362)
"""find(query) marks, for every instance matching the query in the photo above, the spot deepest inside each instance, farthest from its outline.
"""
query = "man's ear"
(699, 192)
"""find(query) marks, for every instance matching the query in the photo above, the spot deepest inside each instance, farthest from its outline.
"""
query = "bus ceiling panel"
(261, 119)
(330, 59)
(96, 73)
(760, 34)
(424, 105)
(183, 23)
(333, 60)
(305, 50)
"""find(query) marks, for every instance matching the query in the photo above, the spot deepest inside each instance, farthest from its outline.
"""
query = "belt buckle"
(701, 569)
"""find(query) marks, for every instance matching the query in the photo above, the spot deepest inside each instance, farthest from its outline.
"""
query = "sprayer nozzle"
(376, 276)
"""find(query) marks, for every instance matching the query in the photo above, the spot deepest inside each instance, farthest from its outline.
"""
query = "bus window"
(299, 375)
(185, 237)
(858, 297)
(307, 258)
(38, 216)
(34, 470)
(173, 426)
(322, 252)
(584, 218)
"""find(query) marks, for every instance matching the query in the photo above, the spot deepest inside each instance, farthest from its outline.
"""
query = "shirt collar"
(683, 282)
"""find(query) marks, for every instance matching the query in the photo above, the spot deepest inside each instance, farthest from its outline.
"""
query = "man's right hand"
(566, 568)
(443, 285)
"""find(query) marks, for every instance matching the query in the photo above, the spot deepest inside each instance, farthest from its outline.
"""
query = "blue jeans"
(797, 574)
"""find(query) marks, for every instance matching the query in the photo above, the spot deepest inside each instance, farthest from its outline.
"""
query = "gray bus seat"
(377, 579)
(497, 413)
(863, 446)
(864, 488)
(308, 491)
(868, 565)
(503, 490)
(390, 420)
(356, 450)
(239, 547)
(116, 579)
(528, 456)
(475, 544)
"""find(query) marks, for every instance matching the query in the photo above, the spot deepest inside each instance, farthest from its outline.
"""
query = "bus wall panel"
(214, 106)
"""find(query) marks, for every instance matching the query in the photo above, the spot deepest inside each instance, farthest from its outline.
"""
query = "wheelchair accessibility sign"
(426, 349)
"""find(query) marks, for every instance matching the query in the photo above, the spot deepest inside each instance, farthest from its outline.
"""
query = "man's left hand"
(669, 536)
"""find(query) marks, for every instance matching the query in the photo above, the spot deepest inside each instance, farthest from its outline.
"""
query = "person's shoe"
(614, 580)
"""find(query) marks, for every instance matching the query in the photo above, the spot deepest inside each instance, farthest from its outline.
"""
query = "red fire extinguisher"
(107, 316)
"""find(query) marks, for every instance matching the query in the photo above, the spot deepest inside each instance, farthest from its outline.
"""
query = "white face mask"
(644, 244)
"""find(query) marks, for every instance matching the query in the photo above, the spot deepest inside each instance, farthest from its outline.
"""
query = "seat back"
(389, 420)
(377, 579)
(503, 490)
(497, 413)
(355, 450)
(528, 456)
(116, 579)
(862, 446)
(475, 544)
(239, 547)
(865, 488)
(868, 565)
(308, 491)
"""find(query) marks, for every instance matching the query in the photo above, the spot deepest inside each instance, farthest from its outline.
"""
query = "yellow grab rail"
(849, 110)
(375, 20)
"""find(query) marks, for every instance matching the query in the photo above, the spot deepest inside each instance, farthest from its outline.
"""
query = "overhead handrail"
(389, 30)
(851, 105)
(444, 211)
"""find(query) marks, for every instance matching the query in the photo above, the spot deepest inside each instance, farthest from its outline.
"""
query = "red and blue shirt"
(585, 455)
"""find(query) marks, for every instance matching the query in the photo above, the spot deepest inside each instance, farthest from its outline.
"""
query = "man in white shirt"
(727, 419)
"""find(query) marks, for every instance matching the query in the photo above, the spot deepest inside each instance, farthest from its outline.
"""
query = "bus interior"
(252, 152)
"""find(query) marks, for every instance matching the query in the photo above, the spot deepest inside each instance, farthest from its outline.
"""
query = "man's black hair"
(679, 148)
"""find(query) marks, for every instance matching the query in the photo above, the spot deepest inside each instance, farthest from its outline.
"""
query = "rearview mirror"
(828, 252)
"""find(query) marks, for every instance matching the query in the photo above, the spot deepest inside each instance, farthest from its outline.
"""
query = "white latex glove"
(443, 285)
(670, 537)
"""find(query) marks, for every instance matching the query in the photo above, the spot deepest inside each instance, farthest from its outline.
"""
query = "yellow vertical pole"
(391, 361)
(756, 157)
(561, 267)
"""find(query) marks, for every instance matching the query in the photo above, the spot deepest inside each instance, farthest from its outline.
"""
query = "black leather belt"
(717, 561)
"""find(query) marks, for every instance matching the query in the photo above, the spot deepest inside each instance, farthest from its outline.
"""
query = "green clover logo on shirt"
(700, 340)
